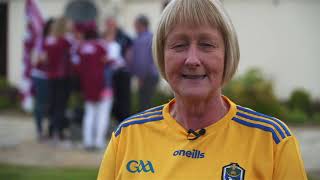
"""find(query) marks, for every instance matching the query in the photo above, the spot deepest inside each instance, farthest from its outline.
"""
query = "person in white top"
(118, 44)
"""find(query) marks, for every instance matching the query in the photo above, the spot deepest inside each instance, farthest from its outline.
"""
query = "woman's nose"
(192, 58)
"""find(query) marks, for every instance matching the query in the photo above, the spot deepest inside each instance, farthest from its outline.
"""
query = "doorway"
(3, 39)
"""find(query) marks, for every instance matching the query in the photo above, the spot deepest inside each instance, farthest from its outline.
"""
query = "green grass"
(12, 172)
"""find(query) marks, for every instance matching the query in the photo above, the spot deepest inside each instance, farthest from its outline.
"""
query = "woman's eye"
(206, 45)
(179, 47)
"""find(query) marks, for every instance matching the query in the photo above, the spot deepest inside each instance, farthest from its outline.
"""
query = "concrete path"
(18, 146)
(309, 139)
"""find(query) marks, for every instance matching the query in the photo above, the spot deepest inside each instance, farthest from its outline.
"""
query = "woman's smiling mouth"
(187, 76)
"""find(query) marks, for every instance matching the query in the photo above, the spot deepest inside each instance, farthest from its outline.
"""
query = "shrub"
(315, 107)
(316, 118)
(300, 99)
(297, 116)
(253, 90)
(8, 95)
(159, 98)
(3, 83)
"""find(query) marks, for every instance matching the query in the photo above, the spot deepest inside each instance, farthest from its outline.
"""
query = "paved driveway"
(309, 139)
(17, 145)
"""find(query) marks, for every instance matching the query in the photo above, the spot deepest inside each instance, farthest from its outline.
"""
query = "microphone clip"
(195, 134)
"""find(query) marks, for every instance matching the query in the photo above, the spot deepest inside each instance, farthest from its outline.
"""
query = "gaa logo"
(134, 166)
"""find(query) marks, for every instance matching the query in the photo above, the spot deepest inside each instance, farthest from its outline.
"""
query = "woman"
(121, 75)
(98, 96)
(114, 53)
(200, 133)
(40, 81)
(56, 54)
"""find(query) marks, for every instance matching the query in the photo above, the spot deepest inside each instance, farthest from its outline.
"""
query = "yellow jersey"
(243, 145)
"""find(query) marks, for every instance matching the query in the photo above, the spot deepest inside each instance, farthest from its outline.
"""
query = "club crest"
(232, 172)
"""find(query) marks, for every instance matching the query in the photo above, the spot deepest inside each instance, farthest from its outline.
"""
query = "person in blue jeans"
(41, 86)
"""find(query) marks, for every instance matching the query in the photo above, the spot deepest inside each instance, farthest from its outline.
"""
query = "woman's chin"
(194, 95)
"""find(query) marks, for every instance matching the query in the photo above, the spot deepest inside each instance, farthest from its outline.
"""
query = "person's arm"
(40, 58)
(288, 161)
(107, 169)
(41, 54)
(104, 55)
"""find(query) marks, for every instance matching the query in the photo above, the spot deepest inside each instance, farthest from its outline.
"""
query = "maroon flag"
(33, 34)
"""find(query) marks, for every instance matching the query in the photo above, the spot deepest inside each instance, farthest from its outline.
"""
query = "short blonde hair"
(196, 13)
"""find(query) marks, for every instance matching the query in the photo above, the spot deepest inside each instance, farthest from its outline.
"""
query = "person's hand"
(104, 60)
(108, 61)
(128, 55)
(40, 58)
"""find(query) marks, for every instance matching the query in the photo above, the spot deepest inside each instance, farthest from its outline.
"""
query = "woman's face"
(194, 61)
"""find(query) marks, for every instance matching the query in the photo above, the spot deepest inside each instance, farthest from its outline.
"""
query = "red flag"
(34, 26)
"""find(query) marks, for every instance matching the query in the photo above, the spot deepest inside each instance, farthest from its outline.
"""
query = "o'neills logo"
(190, 154)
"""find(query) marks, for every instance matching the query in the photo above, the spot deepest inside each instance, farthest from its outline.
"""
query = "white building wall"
(15, 33)
(152, 9)
(281, 39)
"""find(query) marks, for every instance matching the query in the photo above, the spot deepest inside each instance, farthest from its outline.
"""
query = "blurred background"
(277, 75)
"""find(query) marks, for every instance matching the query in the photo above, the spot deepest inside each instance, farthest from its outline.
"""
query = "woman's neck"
(196, 115)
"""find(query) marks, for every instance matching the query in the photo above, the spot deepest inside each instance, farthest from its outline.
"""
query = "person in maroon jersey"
(98, 97)
(56, 54)
(40, 82)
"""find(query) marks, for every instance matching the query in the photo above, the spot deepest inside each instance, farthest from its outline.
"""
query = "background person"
(121, 78)
(56, 52)
(98, 97)
(114, 53)
(200, 133)
(142, 65)
(39, 75)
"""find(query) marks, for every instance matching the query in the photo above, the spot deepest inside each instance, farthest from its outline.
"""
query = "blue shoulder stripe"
(126, 124)
(262, 120)
(146, 115)
(266, 116)
(144, 112)
(264, 128)
(142, 116)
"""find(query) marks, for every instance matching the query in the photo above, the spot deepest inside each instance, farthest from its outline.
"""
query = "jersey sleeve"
(107, 168)
(288, 161)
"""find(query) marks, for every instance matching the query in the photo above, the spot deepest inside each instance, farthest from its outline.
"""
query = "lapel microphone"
(196, 134)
